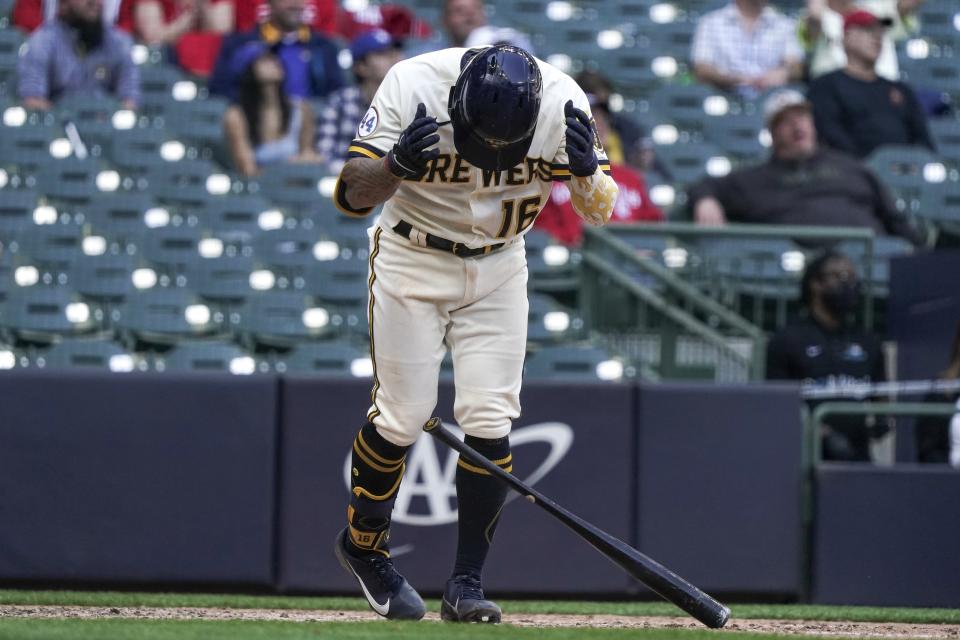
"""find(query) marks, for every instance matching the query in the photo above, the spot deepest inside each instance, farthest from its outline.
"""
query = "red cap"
(861, 18)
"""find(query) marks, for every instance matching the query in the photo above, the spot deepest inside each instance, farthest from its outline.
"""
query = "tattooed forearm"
(368, 182)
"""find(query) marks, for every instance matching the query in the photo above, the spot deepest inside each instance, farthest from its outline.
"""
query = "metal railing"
(611, 263)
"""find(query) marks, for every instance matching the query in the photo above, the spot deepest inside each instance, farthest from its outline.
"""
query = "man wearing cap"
(821, 32)
(374, 53)
(801, 183)
(309, 60)
(855, 109)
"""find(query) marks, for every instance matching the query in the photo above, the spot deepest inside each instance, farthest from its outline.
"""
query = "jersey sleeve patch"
(358, 149)
(369, 123)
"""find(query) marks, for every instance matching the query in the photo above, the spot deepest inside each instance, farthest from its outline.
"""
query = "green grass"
(21, 629)
(743, 611)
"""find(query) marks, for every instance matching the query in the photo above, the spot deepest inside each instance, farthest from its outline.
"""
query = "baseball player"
(461, 146)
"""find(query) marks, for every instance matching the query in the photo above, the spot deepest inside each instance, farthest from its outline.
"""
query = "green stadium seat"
(10, 39)
(69, 183)
(280, 319)
(332, 359)
(234, 215)
(674, 38)
(352, 231)
(688, 162)
(224, 280)
(294, 187)
(941, 203)
(176, 249)
(41, 314)
(29, 144)
(946, 135)
(338, 282)
(208, 356)
(165, 316)
(906, 170)
(53, 246)
(549, 322)
(117, 216)
(288, 252)
(185, 183)
(567, 363)
(738, 135)
(156, 85)
(92, 115)
(938, 23)
(686, 105)
(138, 150)
(200, 122)
(547, 272)
(96, 353)
(16, 212)
(6, 275)
(933, 73)
(106, 279)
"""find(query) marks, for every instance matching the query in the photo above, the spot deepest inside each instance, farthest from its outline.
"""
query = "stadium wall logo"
(427, 495)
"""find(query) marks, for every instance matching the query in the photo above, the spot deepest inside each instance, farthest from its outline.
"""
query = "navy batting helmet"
(494, 107)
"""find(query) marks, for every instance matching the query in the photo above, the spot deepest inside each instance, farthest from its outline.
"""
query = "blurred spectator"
(321, 15)
(192, 28)
(77, 54)
(265, 126)
(328, 18)
(748, 47)
(822, 32)
(857, 111)
(460, 18)
(824, 348)
(30, 14)
(309, 60)
(938, 437)
(373, 52)
(490, 35)
(637, 149)
(801, 184)
(633, 202)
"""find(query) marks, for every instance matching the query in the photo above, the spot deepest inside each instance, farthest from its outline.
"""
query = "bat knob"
(432, 424)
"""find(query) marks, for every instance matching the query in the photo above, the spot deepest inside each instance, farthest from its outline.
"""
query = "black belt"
(436, 242)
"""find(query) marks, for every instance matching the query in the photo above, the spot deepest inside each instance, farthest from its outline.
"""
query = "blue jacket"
(309, 60)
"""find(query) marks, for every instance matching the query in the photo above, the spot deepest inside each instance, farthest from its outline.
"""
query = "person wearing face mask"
(824, 347)
(77, 54)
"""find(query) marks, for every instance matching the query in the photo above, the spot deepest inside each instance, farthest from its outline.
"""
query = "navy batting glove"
(409, 157)
(582, 159)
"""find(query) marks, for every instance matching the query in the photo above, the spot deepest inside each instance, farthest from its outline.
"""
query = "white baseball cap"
(780, 101)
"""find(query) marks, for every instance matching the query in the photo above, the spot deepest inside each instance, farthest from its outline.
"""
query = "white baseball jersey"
(455, 200)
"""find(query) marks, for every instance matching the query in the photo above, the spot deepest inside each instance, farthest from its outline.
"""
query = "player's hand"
(581, 158)
(410, 156)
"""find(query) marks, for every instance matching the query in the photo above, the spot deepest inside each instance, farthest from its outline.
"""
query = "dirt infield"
(786, 627)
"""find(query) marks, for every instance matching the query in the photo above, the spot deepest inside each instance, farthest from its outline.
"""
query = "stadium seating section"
(133, 246)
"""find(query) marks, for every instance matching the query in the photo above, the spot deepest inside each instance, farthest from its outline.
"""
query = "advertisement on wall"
(560, 446)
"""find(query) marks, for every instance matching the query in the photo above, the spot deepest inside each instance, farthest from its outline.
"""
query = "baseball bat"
(664, 582)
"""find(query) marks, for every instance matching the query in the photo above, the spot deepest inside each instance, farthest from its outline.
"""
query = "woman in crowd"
(265, 126)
